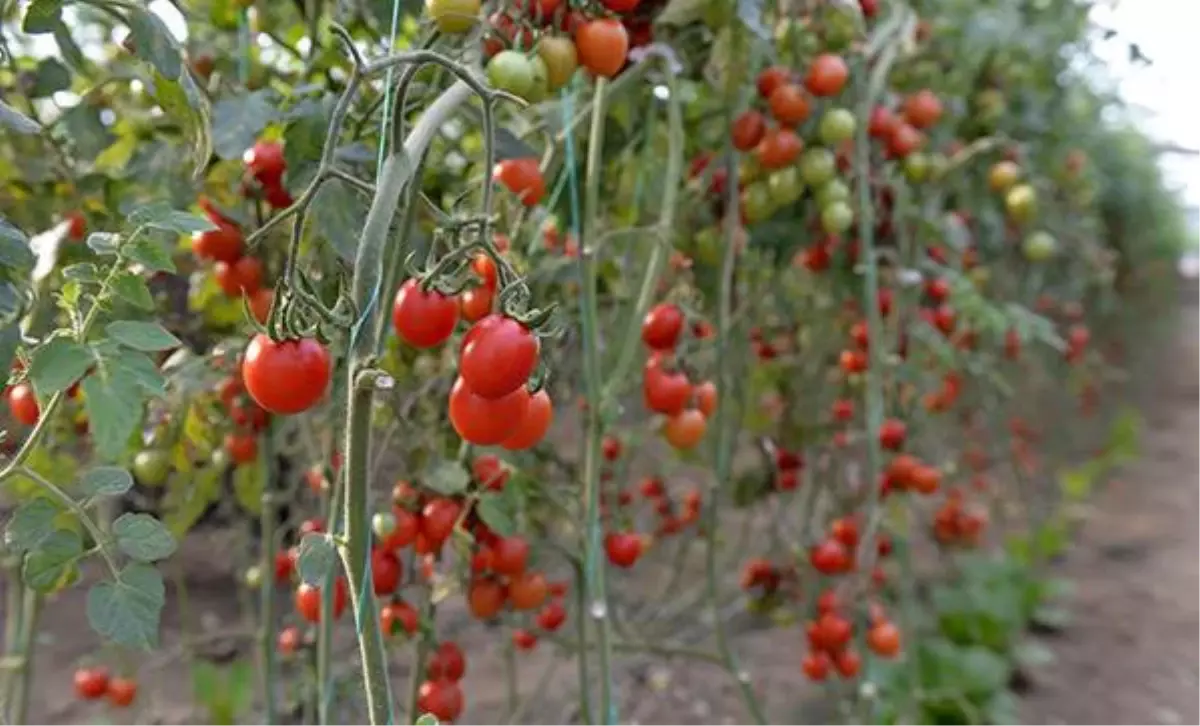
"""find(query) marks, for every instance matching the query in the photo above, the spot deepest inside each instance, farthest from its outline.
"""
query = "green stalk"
(31, 607)
(594, 563)
(420, 653)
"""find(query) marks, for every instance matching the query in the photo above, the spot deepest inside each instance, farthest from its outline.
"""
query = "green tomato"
(253, 577)
(1039, 246)
(836, 217)
(1021, 203)
(151, 467)
(510, 70)
(540, 88)
(383, 524)
(817, 166)
(916, 167)
(220, 459)
(837, 125)
(784, 186)
(708, 246)
(453, 16)
(756, 202)
(834, 190)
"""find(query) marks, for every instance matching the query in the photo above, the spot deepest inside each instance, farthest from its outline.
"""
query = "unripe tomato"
(784, 186)
(916, 167)
(509, 70)
(836, 217)
(453, 16)
(151, 467)
(287, 376)
(423, 318)
(1003, 175)
(817, 166)
(1039, 246)
(602, 45)
(837, 125)
(561, 60)
(756, 203)
(1021, 203)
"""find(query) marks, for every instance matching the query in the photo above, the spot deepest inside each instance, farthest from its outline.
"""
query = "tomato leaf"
(317, 558)
(127, 610)
(142, 336)
(751, 14)
(83, 272)
(14, 249)
(113, 399)
(248, 487)
(84, 131)
(238, 121)
(184, 101)
(133, 289)
(50, 78)
(107, 481)
(70, 50)
(30, 525)
(46, 565)
(447, 477)
(17, 121)
(104, 243)
(339, 212)
(143, 537)
(58, 363)
(150, 254)
(497, 512)
(42, 16)
(153, 42)
(160, 215)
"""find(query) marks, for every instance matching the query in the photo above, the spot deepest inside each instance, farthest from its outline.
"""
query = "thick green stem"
(266, 603)
(31, 608)
(594, 562)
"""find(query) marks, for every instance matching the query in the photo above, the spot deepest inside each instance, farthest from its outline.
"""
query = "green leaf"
(237, 123)
(1032, 654)
(104, 243)
(1051, 617)
(113, 399)
(143, 537)
(160, 215)
(426, 719)
(106, 481)
(339, 211)
(17, 121)
(133, 289)
(82, 128)
(447, 477)
(751, 14)
(127, 611)
(153, 42)
(70, 50)
(83, 272)
(42, 16)
(14, 248)
(46, 565)
(30, 525)
(10, 340)
(317, 558)
(183, 101)
(681, 12)
(248, 488)
(57, 364)
(142, 336)
(496, 511)
(50, 78)
(150, 254)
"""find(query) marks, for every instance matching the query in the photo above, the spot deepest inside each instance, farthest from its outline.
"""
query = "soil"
(1129, 655)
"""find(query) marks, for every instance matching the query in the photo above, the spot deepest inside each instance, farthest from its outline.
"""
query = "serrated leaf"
(496, 511)
(127, 610)
(30, 525)
(317, 558)
(133, 289)
(14, 249)
(45, 566)
(41, 16)
(237, 123)
(339, 211)
(142, 336)
(153, 42)
(106, 481)
(49, 78)
(143, 537)
(104, 243)
(447, 478)
(150, 254)
(57, 364)
(17, 121)
(160, 215)
(113, 400)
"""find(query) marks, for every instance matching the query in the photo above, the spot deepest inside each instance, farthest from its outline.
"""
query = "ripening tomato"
(91, 683)
(438, 518)
(386, 571)
(884, 639)
(442, 699)
(308, 600)
(779, 148)
(486, 421)
(485, 598)
(771, 79)
(882, 123)
(242, 447)
(523, 178)
(925, 479)
(453, 16)
(422, 318)
(602, 45)
(832, 633)
(121, 691)
(685, 429)
(789, 105)
(904, 140)
(827, 75)
(922, 109)
(551, 617)
(623, 548)
(236, 278)
(447, 662)
(561, 59)
(489, 471)
(539, 414)
(265, 161)
(662, 326)
(748, 130)
(498, 356)
(23, 405)
(223, 244)
(287, 376)
(706, 397)
(528, 591)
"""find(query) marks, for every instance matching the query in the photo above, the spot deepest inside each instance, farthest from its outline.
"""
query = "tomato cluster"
(265, 167)
(957, 523)
(666, 389)
(92, 684)
(236, 274)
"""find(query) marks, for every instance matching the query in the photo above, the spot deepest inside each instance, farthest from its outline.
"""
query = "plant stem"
(77, 509)
(594, 563)
(266, 608)
(420, 651)
(726, 437)
(31, 607)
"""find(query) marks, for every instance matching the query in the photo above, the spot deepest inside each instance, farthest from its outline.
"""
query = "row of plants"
(591, 322)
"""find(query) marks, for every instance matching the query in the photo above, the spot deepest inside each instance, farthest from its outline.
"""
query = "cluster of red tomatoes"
(92, 684)
(956, 523)
(829, 639)
(674, 515)
(235, 273)
(440, 694)
(665, 388)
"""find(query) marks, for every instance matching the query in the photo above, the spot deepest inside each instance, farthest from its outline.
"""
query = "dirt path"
(1130, 653)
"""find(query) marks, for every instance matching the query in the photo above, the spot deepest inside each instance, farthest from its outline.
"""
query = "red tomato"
(485, 598)
(603, 45)
(534, 424)
(489, 471)
(447, 662)
(827, 75)
(485, 268)
(76, 226)
(438, 518)
(882, 122)
(243, 276)
(904, 140)
(789, 105)
(260, 304)
(661, 326)
(498, 356)
(265, 161)
(665, 392)
(405, 532)
(551, 617)
(23, 405)
(442, 699)
(748, 130)
(706, 398)
(249, 415)
(523, 178)
(122, 691)
(623, 548)
(423, 319)
(308, 600)
(892, 434)
(772, 78)
(223, 244)
(288, 376)
(398, 613)
(476, 303)
(386, 571)
(685, 429)
(242, 447)
(830, 557)
(884, 639)
(509, 555)
(524, 640)
(922, 109)
(283, 567)
(779, 148)
(528, 591)
(91, 683)
(847, 663)
(485, 421)
(816, 666)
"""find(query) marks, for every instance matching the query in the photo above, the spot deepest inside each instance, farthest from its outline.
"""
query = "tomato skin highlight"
(423, 319)
(498, 356)
(286, 377)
